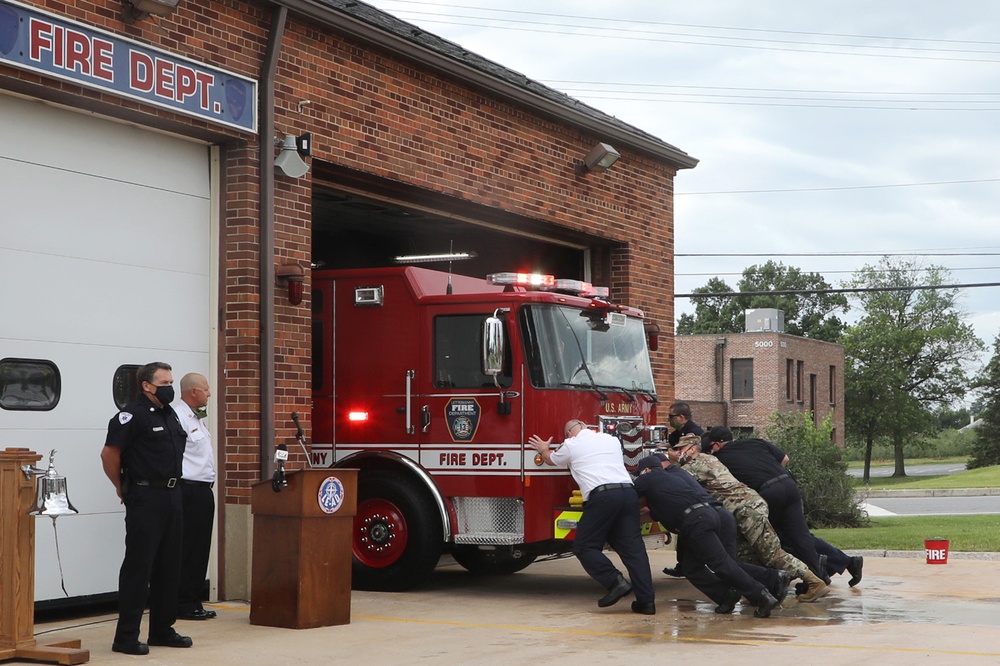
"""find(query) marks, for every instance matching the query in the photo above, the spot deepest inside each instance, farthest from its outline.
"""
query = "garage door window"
(29, 384)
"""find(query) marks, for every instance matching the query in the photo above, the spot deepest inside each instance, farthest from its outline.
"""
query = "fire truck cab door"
(466, 425)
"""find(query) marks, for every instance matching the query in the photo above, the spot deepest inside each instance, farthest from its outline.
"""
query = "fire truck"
(430, 385)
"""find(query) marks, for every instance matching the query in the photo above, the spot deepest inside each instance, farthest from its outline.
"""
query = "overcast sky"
(822, 127)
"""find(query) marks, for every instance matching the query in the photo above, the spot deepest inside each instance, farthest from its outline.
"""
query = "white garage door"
(105, 259)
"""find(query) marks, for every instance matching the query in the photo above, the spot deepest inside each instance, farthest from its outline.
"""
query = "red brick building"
(740, 379)
(141, 163)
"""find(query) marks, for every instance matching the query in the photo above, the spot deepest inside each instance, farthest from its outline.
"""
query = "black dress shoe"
(648, 608)
(854, 568)
(673, 571)
(136, 648)
(780, 590)
(196, 614)
(617, 591)
(728, 604)
(176, 641)
(767, 604)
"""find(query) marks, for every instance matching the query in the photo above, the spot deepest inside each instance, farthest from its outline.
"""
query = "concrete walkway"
(903, 612)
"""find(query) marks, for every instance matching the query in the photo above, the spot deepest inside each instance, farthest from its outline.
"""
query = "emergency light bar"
(548, 283)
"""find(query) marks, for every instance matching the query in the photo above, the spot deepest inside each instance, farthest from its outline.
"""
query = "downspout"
(266, 245)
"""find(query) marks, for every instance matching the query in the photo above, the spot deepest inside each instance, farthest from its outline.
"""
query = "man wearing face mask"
(142, 456)
(680, 420)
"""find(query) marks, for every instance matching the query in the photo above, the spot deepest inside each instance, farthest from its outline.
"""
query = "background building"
(740, 379)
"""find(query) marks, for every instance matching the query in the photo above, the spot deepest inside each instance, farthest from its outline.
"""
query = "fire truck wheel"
(397, 533)
(492, 562)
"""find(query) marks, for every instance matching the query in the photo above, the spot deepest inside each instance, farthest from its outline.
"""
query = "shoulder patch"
(124, 417)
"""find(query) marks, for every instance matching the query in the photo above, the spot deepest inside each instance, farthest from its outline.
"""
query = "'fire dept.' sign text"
(38, 41)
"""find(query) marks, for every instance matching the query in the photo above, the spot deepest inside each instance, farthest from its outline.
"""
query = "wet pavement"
(903, 612)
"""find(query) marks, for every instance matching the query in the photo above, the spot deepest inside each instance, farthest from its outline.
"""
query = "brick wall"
(372, 111)
(705, 376)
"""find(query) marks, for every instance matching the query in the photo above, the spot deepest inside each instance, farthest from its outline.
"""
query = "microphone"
(278, 480)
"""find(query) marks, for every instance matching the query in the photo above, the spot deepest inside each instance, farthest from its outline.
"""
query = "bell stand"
(17, 568)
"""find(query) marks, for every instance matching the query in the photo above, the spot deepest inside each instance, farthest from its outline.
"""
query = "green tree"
(986, 450)
(810, 315)
(905, 355)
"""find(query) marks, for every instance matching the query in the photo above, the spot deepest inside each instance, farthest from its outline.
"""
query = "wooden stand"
(17, 568)
(301, 575)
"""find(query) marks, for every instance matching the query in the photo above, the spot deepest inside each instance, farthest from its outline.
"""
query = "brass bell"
(51, 498)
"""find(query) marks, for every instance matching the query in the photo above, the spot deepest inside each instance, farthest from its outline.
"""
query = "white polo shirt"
(593, 459)
(199, 459)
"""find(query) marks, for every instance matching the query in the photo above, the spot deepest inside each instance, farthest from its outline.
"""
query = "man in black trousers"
(708, 532)
(760, 464)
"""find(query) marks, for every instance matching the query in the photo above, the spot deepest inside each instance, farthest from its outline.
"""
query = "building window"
(125, 385)
(29, 384)
(789, 378)
(742, 374)
(799, 365)
(833, 385)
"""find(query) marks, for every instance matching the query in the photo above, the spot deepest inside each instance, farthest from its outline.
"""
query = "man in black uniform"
(760, 464)
(708, 532)
(680, 420)
(142, 457)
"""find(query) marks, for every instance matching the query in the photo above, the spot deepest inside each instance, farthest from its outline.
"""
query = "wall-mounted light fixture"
(136, 10)
(293, 276)
(598, 159)
(289, 161)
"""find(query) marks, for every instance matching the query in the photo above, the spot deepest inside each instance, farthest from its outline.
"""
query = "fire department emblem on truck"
(462, 415)
(331, 494)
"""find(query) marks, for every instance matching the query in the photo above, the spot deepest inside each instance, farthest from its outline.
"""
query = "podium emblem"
(331, 494)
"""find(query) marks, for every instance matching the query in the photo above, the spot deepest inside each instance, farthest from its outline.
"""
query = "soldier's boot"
(815, 589)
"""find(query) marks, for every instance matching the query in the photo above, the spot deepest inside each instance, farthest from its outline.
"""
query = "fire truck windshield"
(567, 346)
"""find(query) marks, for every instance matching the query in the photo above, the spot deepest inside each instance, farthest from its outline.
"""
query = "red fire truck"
(431, 384)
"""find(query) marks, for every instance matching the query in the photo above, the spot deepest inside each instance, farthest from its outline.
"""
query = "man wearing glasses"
(680, 420)
(610, 512)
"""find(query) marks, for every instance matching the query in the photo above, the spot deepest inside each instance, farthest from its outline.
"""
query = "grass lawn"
(979, 533)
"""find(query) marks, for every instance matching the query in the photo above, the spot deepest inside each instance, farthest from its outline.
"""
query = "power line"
(855, 290)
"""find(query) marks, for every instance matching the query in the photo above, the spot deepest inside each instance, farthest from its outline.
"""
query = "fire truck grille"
(489, 520)
(629, 431)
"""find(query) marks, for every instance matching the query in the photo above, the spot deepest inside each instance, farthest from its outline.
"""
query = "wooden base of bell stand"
(17, 568)
(64, 652)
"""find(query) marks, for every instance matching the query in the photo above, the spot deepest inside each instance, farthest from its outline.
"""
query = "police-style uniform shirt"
(668, 495)
(199, 460)
(689, 428)
(151, 440)
(752, 461)
(593, 458)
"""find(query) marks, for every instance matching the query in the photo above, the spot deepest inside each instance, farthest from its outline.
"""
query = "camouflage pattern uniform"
(759, 542)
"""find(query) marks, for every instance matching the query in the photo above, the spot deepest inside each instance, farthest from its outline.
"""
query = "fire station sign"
(44, 43)
(463, 418)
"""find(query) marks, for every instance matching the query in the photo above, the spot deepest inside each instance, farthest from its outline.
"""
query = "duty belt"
(158, 483)
(609, 486)
(699, 505)
(771, 482)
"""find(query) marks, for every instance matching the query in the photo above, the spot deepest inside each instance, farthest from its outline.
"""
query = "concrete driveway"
(903, 612)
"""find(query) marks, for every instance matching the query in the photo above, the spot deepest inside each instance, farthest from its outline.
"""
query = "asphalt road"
(936, 469)
(933, 506)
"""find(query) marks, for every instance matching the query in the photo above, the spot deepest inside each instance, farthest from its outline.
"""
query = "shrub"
(818, 467)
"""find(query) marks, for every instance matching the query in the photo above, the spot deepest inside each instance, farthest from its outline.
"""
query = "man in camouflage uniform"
(750, 510)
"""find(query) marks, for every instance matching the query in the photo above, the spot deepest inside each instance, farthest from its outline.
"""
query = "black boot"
(617, 591)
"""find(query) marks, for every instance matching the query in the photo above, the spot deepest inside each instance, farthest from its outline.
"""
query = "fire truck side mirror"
(493, 346)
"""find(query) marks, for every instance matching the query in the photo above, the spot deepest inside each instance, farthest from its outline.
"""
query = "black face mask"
(165, 394)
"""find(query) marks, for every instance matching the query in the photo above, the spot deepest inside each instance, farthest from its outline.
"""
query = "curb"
(919, 554)
(930, 492)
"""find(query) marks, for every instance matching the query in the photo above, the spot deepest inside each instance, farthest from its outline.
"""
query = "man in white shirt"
(610, 512)
(199, 502)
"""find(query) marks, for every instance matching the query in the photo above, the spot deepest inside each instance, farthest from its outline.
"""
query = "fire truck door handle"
(409, 400)
(425, 417)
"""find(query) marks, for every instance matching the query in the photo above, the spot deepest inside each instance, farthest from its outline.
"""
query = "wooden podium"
(17, 568)
(301, 572)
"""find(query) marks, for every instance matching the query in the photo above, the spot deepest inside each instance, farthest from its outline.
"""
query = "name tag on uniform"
(157, 428)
